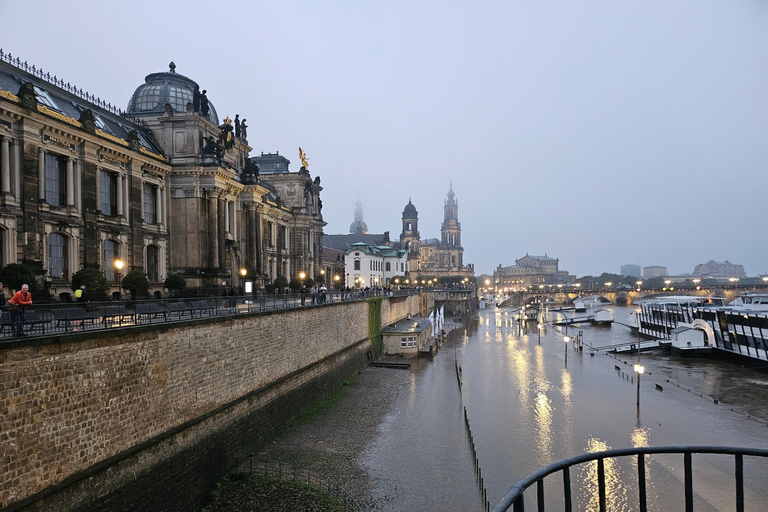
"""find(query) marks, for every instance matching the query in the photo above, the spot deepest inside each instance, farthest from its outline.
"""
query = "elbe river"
(527, 408)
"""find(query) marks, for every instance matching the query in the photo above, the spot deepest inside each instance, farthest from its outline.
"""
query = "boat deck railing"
(515, 498)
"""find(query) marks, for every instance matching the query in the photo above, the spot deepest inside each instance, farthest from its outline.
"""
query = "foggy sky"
(599, 132)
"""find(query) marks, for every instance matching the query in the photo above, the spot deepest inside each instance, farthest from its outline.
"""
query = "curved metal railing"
(515, 498)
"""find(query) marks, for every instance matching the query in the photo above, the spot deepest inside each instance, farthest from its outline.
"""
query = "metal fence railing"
(516, 500)
(57, 318)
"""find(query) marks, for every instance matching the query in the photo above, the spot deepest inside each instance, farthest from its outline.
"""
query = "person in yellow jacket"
(20, 301)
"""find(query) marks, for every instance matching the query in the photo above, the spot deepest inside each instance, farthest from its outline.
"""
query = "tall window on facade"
(357, 264)
(150, 204)
(57, 256)
(153, 255)
(55, 180)
(284, 235)
(388, 265)
(110, 251)
(108, 200)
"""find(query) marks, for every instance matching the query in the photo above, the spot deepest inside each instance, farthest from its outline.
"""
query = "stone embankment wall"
(150, 417)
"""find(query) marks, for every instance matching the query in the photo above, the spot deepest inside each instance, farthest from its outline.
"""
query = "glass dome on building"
(161, 88)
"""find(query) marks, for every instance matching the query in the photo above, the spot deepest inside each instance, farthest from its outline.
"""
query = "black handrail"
(57, 318)
(514, 497)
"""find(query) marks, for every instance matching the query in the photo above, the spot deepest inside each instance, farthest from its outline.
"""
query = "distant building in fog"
(529, 271)
(631, 270)
(714, 269)
(654, 271)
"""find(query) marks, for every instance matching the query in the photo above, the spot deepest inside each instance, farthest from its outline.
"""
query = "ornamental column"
(70, 182)
(41, 174)
(221, 234)
(5, 166)
(213, 222)
(79, 185)
(158, 205)
(119, 193)
(16, 170)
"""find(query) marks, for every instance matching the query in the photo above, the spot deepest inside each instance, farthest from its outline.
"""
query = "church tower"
(358, 227)
(409, 238)
(451, 229)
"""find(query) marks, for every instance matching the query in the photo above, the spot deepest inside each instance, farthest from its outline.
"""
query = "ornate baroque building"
(432, 257)
(164, 187)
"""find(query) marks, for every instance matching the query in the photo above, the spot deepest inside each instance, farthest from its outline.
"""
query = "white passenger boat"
(697, 325)
(602, 317)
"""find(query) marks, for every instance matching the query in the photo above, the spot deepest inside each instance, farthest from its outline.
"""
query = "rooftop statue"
(226, 137)
(303, 158)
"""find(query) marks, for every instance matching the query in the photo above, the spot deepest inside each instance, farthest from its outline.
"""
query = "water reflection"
(615, 490)
(526, 411)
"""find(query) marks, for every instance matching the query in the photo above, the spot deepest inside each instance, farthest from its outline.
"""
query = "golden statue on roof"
(303, 158)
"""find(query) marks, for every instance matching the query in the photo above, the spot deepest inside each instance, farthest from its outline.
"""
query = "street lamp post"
(565, 339)
(639, 369)
(540, 326)
(119, 266)
(243, 273)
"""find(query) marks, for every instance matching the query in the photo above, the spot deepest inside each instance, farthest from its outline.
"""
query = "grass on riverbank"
(259, 493)
(237, 492)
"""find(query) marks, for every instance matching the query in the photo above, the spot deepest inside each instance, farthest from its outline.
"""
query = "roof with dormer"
(63, 101)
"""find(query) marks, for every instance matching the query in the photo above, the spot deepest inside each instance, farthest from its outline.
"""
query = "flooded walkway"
(528, 409)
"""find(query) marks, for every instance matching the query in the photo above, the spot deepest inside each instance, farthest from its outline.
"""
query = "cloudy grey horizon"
(601, 133)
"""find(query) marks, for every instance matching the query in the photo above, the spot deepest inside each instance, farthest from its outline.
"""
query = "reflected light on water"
(615, 492)
(641, 437)
(544, 410)
(543, 413)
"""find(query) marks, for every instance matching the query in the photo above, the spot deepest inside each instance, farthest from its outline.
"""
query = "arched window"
(453, 260)
(357, 264)
(57, 256)
(153, 256)
(110, 253)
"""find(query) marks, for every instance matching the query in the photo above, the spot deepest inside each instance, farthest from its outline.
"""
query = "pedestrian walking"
(20, 301)
(303, 294)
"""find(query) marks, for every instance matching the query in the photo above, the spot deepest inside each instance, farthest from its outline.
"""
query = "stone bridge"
(627, 297)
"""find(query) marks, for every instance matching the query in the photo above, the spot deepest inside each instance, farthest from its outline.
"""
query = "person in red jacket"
(20, 301)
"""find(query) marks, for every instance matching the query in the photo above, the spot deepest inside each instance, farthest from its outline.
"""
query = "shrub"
(14, 275)
(280, 283)
(136, 282)
(96, 284)
(175, 283)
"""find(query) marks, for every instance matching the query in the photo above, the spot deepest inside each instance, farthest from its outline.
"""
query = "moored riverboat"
(603, 318)
(719, 329)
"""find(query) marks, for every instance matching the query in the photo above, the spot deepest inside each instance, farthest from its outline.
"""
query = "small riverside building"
(406, 337)
(368, 265)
